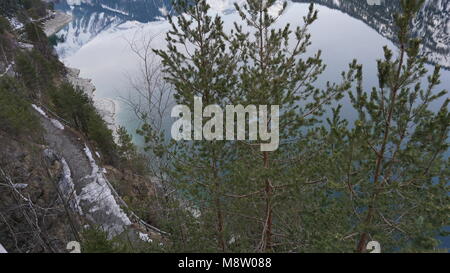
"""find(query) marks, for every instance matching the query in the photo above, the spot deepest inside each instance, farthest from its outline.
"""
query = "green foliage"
(16, 114)
(395, 172)
(129, 156)
(328, 188)
(127, 149)
(54, 40)
(75, 107)
(6, 41)
(96, 240)
(208, 73)
(40, 75)
(36, 35)
(235, 185)
(37, 72)
(34, 8)
(8, 7)
(4, 25)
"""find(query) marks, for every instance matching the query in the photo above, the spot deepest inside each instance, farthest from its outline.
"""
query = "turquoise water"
(108, 59)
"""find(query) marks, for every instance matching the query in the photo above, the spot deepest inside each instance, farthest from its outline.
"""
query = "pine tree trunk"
(220, 228)
(219, 213)
(267, 231)
(381, 154)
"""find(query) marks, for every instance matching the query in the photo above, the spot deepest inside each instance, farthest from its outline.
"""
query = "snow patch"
(144, 237)
(115, 10)
(67, 188)
(2, 249)
(78, 2)
(275, 10)
(25, 46)
(7, 70)
(224, 5)
(194, 212)
(15, 23)
(39, 110)
(20, 186)
(55, 122)
(163, 10)
(98, 194)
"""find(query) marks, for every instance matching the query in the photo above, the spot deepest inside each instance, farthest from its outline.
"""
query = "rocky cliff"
(52, 183)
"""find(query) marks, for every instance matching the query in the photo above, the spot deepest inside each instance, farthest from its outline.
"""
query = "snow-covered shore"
(86, 85)
(107, 108)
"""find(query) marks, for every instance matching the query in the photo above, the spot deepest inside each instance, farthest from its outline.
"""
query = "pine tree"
(197, 64)
(275, 71)
(16, 115)
(328, 187)
(126, 148)
(251, 65)
(395, 174)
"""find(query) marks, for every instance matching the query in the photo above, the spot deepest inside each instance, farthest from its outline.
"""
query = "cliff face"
(53, 188)
(52, 183)
(32, 219)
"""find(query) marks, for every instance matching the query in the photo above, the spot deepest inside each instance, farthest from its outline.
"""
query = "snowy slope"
(84, 27)
(2, 249)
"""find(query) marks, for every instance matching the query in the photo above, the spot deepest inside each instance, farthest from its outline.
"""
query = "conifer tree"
(394, 172)
(126, 148)
(327, 187)
(275, 71)
(197, 64)
(254, 64)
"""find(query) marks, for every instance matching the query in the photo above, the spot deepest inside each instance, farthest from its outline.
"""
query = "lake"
(97, 43)
(107, 58)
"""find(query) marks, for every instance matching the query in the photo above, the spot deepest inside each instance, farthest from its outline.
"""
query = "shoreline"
(58, 21)
(106, 107)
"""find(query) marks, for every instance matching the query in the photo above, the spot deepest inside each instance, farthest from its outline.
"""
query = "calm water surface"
(107, 58)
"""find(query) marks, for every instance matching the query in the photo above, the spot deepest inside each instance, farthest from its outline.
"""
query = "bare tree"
(31, 213)
(150, 98)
